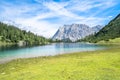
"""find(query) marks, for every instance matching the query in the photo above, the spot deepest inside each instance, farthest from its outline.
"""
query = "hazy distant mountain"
(10, 22)
(27, 28)
(97, 28)
(75, 32)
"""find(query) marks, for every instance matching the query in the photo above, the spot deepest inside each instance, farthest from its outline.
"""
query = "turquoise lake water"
(13, 52)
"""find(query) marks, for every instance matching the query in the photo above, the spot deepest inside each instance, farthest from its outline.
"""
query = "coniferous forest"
(12, 34)
(110, 31)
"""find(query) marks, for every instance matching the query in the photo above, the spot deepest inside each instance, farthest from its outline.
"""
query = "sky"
(44, 17)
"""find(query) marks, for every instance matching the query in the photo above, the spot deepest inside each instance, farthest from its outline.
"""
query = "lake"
(13, 52)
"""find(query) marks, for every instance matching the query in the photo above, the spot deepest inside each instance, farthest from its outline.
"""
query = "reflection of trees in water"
(12, 47)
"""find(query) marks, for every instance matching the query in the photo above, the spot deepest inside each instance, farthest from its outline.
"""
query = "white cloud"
(38, 27)
(88, 5)
(110, 16)
(34, 16)
(59, 9)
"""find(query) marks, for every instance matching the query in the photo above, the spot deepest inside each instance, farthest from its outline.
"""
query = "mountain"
(10, 22)
(97, 28)
(12, 34)
(74, 32)
(110, 31)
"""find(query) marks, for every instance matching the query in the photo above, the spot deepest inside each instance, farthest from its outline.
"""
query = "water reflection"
(12, 52)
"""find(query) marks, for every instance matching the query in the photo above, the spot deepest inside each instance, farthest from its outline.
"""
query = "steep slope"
(110, 31)
(74, 32)
(12, 34)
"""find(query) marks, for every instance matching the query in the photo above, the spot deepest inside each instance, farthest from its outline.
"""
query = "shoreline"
(63, 54)
(109, 46)
(99, 64)
(8, 59)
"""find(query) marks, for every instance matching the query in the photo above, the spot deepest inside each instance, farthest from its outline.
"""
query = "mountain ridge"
(110, 31)
(74, 32)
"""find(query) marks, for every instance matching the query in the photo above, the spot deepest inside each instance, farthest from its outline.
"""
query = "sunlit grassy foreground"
(95, 65)
(110, 41)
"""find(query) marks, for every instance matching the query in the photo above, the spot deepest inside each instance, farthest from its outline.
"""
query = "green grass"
(94, 65)
(110, 41)
(116, 40)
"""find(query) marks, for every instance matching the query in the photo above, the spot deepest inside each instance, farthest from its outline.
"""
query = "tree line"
(110, 31)
(12, 34)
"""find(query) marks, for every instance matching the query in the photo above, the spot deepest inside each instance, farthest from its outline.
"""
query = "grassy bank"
(95, 65)
(115, 41)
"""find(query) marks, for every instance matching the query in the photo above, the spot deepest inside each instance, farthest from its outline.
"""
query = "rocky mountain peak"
(74, 32)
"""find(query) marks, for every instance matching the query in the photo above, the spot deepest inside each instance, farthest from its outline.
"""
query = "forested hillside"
(110, 31)
(11, 34)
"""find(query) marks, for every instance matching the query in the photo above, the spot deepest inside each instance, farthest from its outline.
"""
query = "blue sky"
(44, 17)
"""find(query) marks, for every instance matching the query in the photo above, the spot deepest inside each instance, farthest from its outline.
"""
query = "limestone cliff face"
(75, 32)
